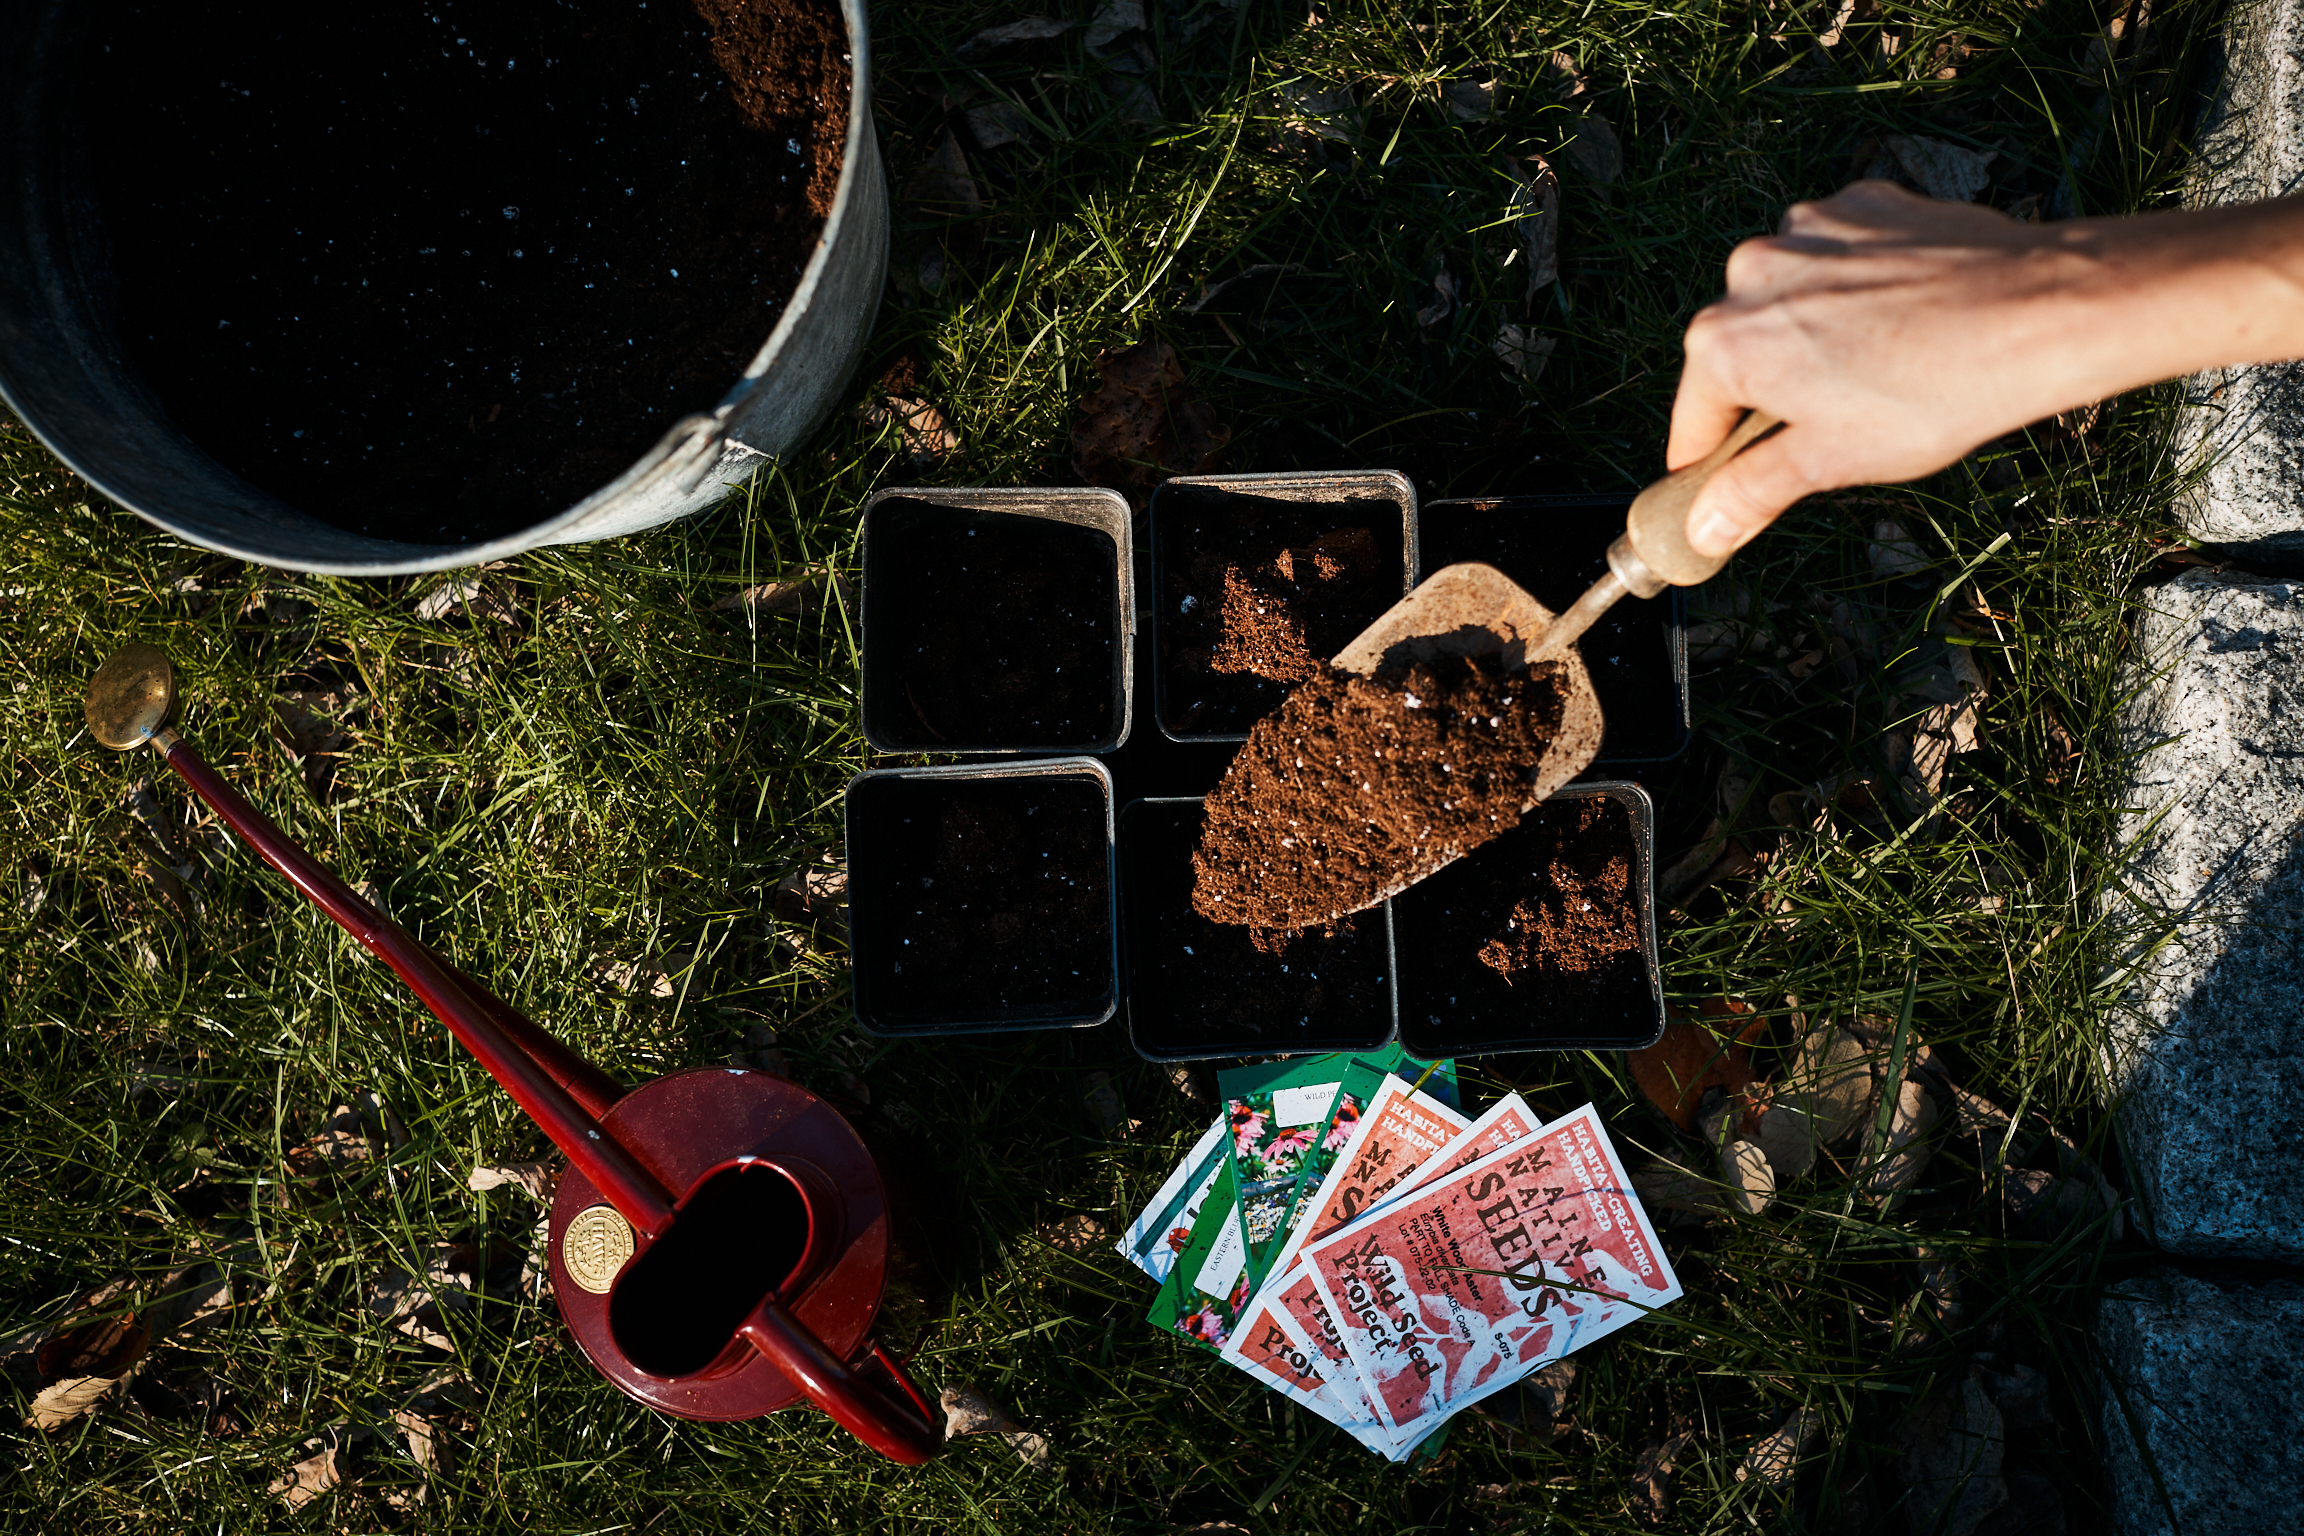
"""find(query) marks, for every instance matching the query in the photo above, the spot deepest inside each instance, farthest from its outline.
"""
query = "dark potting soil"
(1197, 987)
(1556, 552)
(978, 900)
(990, 630)
(1256, 594)
(1356, 779)
(436, 272)
(1534, 937)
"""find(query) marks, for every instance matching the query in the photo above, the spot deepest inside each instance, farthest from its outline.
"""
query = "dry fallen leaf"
(969, 1412)
(929, 439)
(1143, 418)
(352, 1134)
(1666, 1185)
(1103, 1102)
(416, 1304)
(1595, 150)
(1716, 857)
(311, 1477)
(1433, 315)
(1652, 1475)
(1191, 1081)
(1907, 1149)
(1676, 1070)
(1776, 1455)
(1751, 1181)
(814, 898)
(1029, 29)
(944, 189)
(1076, 1234)
(533, 1179)
(1942, 170)
(798, 590)
(1469, 101)
(1893, 554)
(1534, 208)
(995, 124)
(1954, 1444)
(1306, 115)
(1522, 350)
(61, 1402)
(653, 976)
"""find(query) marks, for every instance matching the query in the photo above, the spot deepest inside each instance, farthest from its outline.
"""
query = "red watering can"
(720, 1238)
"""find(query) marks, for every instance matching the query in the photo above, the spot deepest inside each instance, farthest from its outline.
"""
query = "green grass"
(612, 771)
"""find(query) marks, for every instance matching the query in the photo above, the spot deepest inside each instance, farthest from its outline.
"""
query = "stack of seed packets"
(1385, 1261)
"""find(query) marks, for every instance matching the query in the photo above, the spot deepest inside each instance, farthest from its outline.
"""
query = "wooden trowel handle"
(1654, 552)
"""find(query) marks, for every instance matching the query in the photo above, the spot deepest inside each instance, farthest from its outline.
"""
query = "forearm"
(2161, 295)
(1894, 334)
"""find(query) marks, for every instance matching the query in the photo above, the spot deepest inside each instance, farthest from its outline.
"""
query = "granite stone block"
(2206, 1047)
(2245, 427)
(2209, 1377)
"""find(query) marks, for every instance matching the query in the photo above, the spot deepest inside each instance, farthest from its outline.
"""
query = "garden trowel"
(1476, 610)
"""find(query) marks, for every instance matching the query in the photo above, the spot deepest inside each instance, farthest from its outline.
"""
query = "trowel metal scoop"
(1476, 610)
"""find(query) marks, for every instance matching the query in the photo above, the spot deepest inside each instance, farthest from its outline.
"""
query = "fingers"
(1748, 493)
(1703, 413)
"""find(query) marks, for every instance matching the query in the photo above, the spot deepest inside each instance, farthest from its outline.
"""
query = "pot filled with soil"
(981, 897)
(1258, 579)
(1199, 989)
(1556, 546)
(997, 620)
(1542, 939)
(387, 289)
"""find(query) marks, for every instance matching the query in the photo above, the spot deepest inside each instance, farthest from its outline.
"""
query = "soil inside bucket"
(1197, 988)
(1535, 936)
(991, 630)
(435, 273)
(1256, 594)
(1357, 779)
(1556, 552)
(980, 900)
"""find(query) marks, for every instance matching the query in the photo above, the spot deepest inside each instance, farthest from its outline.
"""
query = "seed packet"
(1208, 1286)
(1164, 1226)
(1506, 1121)
(1490, 1271)
(1291, 1302)
(1288, 1119)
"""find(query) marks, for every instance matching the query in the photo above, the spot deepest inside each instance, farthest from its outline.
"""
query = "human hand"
(1895, 334)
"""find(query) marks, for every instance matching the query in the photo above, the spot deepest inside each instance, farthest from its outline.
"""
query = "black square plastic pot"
(997, 620)
(1198, 989)
(1556, 547)
(1454, 1003)
(1199, 521)
(981, 897)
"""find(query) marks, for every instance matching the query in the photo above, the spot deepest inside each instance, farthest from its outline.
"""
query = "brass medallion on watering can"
(597, 1244)
(130, 696)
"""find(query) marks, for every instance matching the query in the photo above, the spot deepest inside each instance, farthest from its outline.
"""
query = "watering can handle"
(901, 1430)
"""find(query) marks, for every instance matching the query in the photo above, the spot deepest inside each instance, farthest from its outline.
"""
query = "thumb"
(1748, 493)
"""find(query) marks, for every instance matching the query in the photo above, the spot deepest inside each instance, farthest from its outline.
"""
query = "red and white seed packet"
(1287, 1330)
(1399, 1132)
(1486, 1272)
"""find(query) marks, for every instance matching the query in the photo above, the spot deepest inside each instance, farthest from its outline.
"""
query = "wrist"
(2186, 291)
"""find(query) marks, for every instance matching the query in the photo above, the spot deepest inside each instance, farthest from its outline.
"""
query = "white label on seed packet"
(1226, 1258)
(1303, 1106)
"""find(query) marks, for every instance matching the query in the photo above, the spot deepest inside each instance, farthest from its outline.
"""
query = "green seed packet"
(1204, 1293)
(1288, 1121)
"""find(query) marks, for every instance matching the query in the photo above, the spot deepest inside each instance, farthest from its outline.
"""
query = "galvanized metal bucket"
(63, 373)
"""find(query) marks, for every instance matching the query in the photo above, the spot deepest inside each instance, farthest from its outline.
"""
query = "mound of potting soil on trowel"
(1355, 782)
